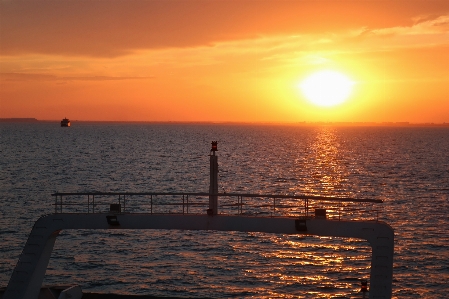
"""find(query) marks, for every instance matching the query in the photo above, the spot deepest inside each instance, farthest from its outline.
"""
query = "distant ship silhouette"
(65, 122)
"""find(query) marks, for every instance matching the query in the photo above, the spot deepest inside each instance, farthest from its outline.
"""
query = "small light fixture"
(364, 286)
(214, 146)
(112, 220)
(115, 208)
(301, 225)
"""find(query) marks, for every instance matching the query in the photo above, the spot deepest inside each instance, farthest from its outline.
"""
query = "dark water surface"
(406, 167)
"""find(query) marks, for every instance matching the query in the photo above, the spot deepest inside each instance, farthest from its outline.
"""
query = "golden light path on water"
(327, 173)
(278, 274)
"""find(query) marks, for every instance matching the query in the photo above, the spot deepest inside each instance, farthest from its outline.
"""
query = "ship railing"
(244, 204)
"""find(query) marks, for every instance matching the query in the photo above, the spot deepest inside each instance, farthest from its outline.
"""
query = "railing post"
(241, 205)
(339, 211)
(306, 207)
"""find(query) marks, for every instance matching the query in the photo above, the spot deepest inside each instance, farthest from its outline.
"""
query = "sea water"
(406, 167)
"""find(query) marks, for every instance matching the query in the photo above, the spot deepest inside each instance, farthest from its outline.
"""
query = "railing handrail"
(312, 197)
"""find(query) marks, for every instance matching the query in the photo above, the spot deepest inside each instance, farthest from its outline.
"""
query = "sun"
(327, 88)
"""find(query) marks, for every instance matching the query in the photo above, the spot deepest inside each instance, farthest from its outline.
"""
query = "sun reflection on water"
(323, 161)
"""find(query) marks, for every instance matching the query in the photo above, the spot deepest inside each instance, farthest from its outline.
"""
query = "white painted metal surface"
(28, 275)
(74, 292)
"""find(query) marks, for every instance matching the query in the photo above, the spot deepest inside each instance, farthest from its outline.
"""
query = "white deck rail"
(29, 272)
(250, 204)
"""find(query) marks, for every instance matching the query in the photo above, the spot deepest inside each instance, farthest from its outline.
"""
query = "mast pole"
(213, 187)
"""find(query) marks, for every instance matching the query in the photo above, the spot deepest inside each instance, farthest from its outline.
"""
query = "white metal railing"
(270, 205)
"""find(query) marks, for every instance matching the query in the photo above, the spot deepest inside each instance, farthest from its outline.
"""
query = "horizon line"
(385, 123)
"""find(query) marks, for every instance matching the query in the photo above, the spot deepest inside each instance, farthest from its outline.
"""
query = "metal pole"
(339, 211)
(306, 203)
(213, 187)
(241, 204)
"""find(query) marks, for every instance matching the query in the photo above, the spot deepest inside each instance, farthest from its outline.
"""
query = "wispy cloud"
(46, 77)
(425, 33)
(437, 26)
(119, 28)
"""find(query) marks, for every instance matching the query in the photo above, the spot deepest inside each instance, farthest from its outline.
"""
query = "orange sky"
(232, 60)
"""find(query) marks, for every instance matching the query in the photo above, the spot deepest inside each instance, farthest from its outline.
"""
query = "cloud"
(118, 28)
(45, 77)
(113, 28)
(422, 34)
(437, 26)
